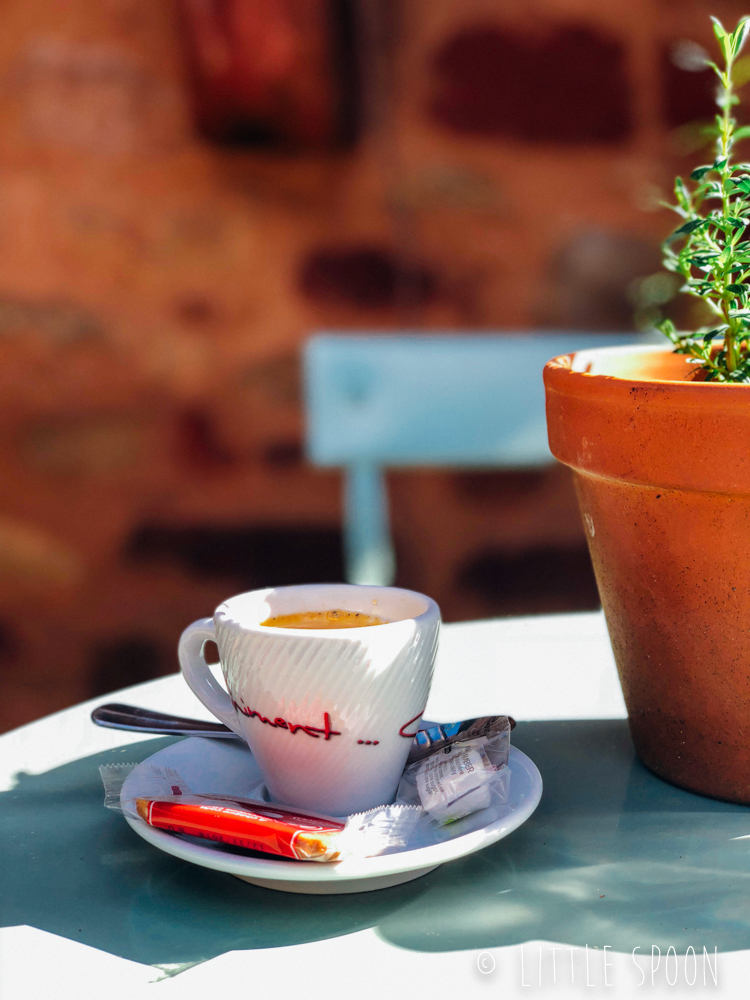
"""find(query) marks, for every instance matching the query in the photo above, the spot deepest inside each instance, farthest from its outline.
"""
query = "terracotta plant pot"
(662, 470)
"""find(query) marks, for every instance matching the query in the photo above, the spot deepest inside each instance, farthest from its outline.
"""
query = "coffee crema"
(325, 619)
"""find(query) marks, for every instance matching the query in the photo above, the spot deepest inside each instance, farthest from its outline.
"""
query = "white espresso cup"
(329, 714)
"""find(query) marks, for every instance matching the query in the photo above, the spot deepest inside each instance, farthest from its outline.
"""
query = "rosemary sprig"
(710, 249)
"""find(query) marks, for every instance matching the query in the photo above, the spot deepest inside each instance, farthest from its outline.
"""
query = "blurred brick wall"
(155, 288)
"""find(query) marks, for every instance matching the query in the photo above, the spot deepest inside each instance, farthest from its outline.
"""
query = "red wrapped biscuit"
(165, 801)
(258, 826)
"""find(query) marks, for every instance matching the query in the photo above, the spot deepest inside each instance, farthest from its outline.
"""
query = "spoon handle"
(143, 720)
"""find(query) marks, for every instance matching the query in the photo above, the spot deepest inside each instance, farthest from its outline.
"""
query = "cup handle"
(198, 675)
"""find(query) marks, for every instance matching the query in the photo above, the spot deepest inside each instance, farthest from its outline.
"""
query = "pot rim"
(671, 434)
(566, 362)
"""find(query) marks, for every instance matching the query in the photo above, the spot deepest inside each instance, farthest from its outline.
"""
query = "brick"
(55, 321)
(566, 84)
(590, 279)
(96, 98)
(543, 579)
(365, 277)
(125, 660)
(83, 446)
(251, 555)
(276, 380)
(687, 94)
(33, 558)
(198, 442)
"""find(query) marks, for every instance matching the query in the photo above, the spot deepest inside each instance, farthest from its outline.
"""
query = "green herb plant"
(711, 249)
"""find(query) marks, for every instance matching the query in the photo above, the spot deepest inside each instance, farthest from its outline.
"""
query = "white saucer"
(229, 768)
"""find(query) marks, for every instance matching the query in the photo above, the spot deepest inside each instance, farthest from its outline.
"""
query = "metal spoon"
(143, 720)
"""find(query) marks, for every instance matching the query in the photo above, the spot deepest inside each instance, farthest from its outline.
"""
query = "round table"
(613, 860)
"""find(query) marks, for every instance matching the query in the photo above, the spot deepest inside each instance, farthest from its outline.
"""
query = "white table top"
(542, 668)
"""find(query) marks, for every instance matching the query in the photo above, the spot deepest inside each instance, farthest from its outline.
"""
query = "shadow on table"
(612, 856)
(71, 867)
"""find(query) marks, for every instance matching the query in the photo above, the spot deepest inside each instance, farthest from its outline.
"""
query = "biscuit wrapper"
(168, 804)
(497, 729)
(456, 770)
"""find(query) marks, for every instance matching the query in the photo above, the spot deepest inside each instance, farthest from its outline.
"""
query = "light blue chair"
(424, 400)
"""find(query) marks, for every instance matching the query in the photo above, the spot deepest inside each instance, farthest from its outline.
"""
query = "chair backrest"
(439, 399)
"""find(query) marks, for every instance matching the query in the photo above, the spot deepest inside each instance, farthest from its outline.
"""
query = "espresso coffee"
(325, 619)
